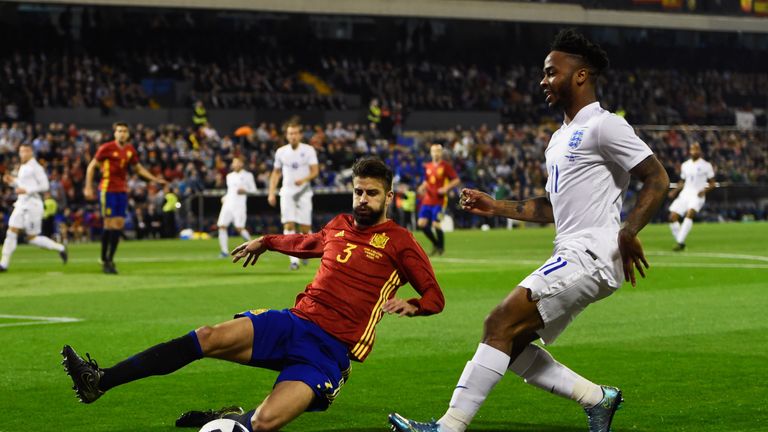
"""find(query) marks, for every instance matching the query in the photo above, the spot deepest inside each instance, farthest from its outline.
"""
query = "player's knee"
(265, 419)
(673, 217)
(691, 214)
(499, 325)
(205, 336)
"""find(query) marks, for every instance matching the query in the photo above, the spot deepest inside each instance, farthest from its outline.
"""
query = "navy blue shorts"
(113, 204)
(432, 212)
(301, 351)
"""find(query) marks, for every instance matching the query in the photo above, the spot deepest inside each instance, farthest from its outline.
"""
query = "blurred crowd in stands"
(646, 96)
(506, 161)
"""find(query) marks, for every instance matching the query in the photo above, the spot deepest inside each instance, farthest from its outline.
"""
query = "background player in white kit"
(27, 213)
(234, 204)
(589, 162)
(698, 178)
(296, 163)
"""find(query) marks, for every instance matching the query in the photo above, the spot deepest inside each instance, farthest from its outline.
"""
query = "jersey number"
(348, 252)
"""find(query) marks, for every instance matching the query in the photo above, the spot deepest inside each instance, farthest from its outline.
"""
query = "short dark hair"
(572, 42)
(115, 125)
(373, 167)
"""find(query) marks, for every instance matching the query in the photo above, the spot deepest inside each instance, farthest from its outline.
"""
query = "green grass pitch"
(688, 346)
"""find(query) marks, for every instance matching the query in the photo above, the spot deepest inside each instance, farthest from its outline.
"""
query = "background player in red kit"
(365, 258)
(439, 178)
(113, 158)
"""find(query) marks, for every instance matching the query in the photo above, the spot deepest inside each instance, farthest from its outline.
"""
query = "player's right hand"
(476, 202)
(272, 200)
(88, 192)
(250, 251)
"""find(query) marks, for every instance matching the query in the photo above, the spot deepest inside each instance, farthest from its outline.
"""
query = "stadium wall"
(495, 10)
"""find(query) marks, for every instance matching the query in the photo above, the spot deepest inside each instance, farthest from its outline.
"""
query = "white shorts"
(229, 215)
(565, 285)
(28, 218)
(686, 202)
(297, 209)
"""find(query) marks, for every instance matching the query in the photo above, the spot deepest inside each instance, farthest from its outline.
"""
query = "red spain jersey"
(436, 175)
(360, 270)
(114, 160)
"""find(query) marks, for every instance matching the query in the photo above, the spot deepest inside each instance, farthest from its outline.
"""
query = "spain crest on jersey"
(379, 240)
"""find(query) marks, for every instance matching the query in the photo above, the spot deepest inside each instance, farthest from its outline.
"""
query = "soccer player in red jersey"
(365, 258)
(439, 178)
(113, 158)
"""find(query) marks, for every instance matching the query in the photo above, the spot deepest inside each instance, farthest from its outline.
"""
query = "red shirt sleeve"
(101, 153)
(450, 172)
(298, 245)
(134, 159)
(417, 269)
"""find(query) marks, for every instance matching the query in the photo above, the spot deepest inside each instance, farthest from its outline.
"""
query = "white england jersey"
(236, 181)
(295, 165)
(33, 179)
(696, 175)
(588, 163)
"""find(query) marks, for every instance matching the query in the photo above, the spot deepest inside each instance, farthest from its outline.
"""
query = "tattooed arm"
(537, 209)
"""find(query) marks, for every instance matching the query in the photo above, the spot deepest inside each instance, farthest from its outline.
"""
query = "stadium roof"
(496, 10)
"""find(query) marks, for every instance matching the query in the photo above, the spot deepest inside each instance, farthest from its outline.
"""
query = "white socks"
(675, 228)
(538, 368)
(293, 259)
(480, 375)
(46, 243)
(11, 240)
(245, 234)
(685, 228)
(223, 240)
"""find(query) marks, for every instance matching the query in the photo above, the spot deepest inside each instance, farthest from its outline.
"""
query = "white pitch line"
(710, 255)
(36, 320)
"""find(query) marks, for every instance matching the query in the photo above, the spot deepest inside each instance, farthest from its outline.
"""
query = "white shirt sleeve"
(312, 156)
(278, 162)
(619, 143)
(710, 171)
(250, 183)
(41, 180)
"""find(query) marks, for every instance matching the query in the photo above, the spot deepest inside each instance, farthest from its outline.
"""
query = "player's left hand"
(20, 191)
(8, 178)
(250, 251)
(400, 307)
(702, 193)
(162, 181)
(299, 182)
(632, 256)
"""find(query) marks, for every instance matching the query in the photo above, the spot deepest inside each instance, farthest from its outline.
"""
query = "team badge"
(115, 154)
(379, 240)
(340, 234)
(576, 138)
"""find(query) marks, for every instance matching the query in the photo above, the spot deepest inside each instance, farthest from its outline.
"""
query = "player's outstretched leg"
(85, 375)
(48, 244)
(401, 424)
(600, 416)
(90, 381)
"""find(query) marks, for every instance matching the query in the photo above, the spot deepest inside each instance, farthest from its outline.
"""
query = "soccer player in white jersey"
(27, 214)
(697, 178)
(234, 204)
(296, 163)
(589, 161)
